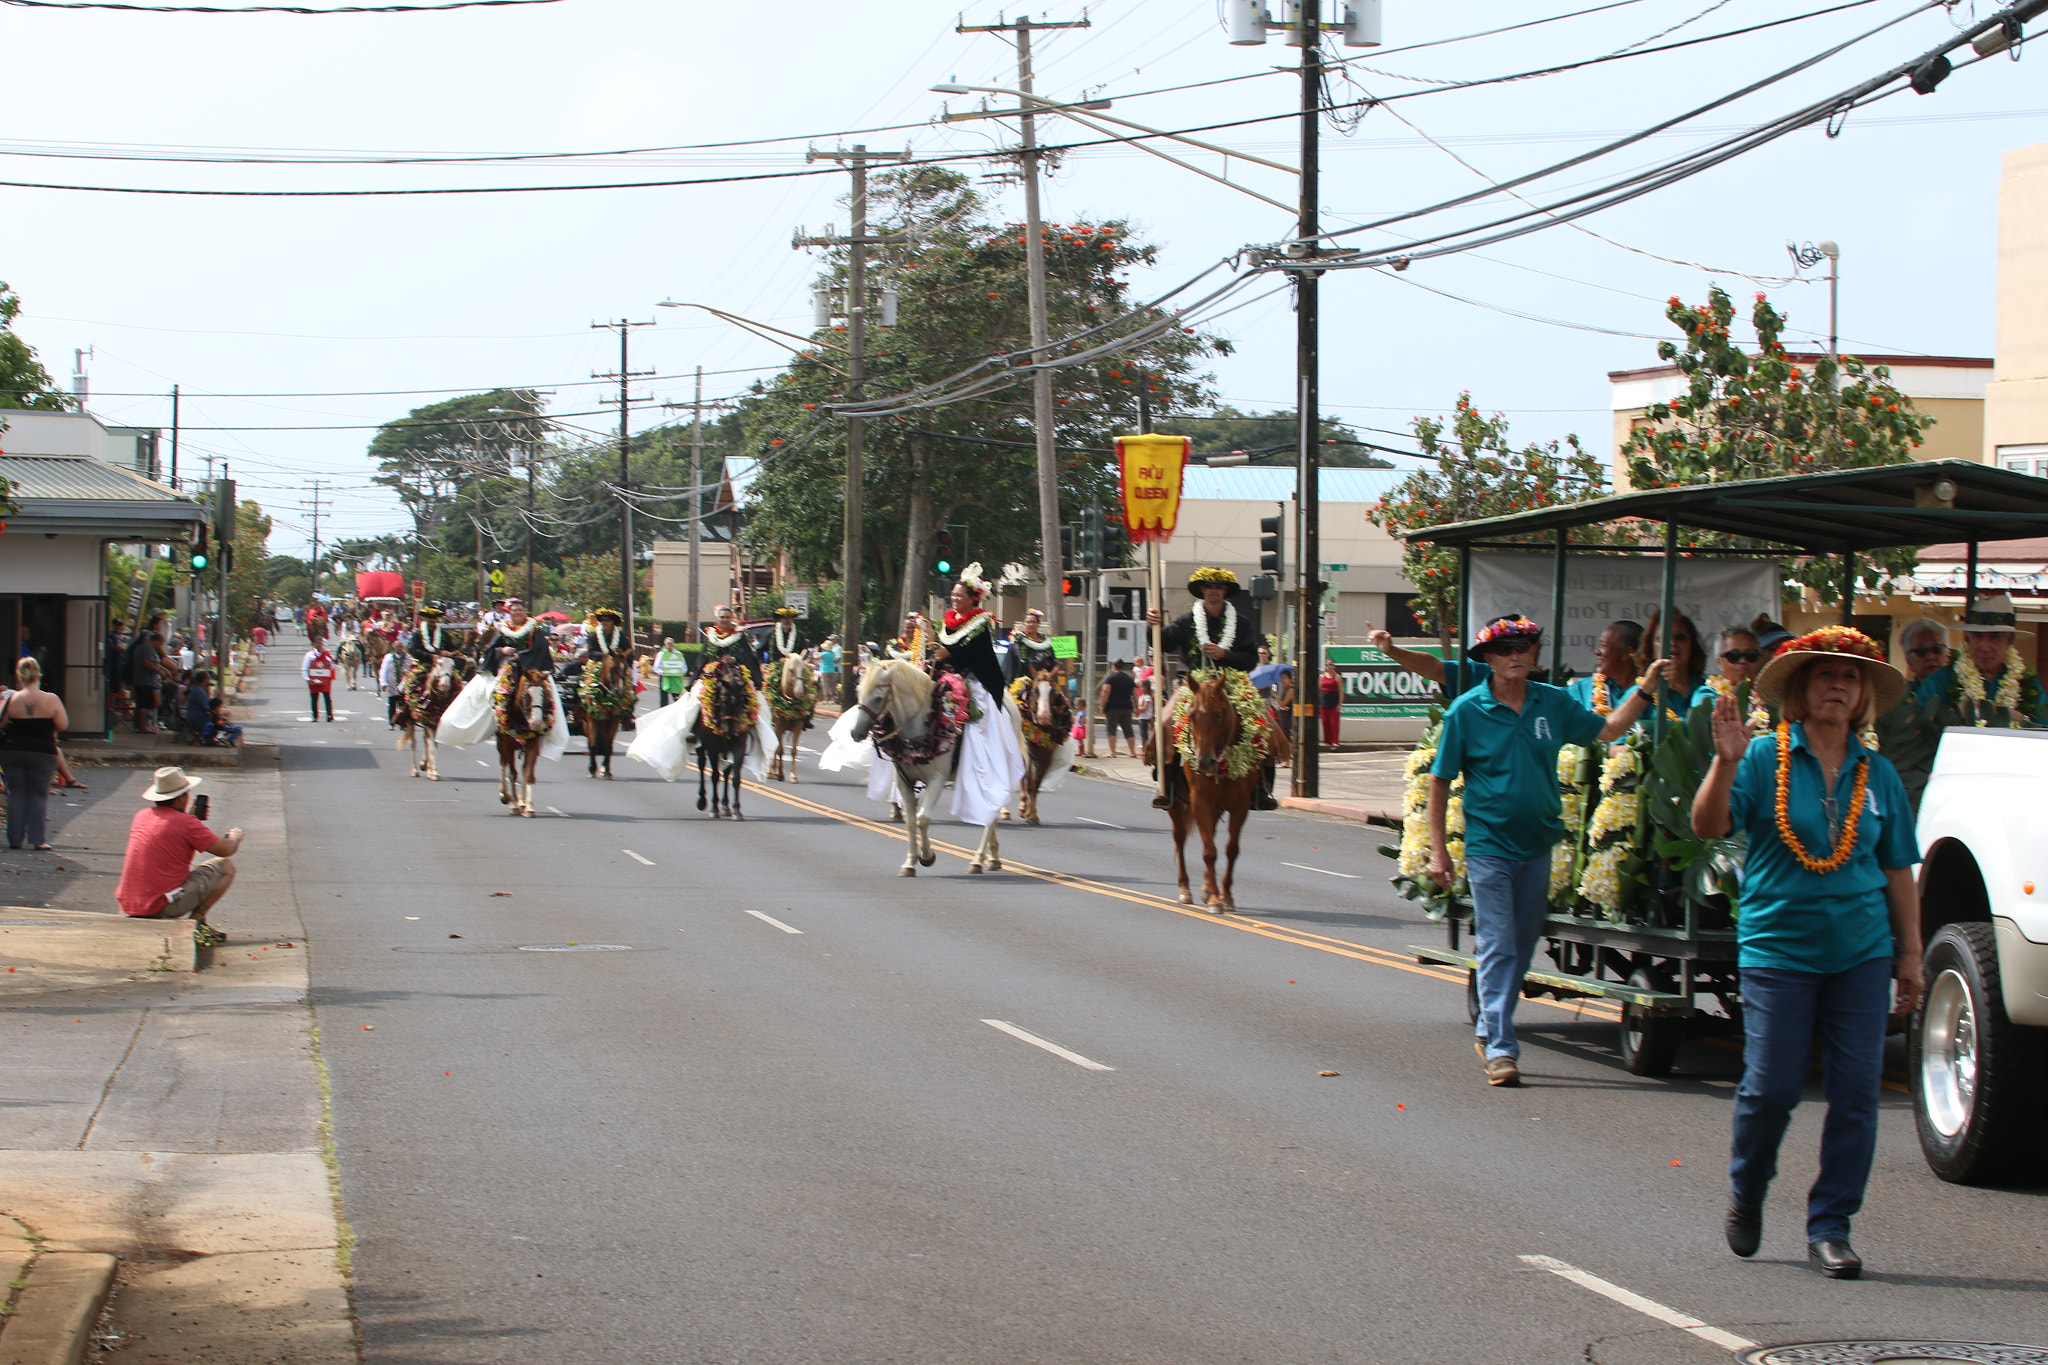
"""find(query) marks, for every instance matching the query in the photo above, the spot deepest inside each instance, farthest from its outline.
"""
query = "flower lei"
(1228, 635)
(501, 704)
(948, 716)
(1846, 843)
(1039, 736)
(1255, 721)
(604, 646)
(433, 641)
(785, 645)
(506, 631)
(721, 641)
(601, 702)
(2009, 683)
(978, 619)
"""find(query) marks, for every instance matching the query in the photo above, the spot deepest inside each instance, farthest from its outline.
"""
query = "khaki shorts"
(199, 884)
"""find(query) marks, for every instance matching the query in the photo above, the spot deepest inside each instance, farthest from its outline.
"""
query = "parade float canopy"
(1842, 511)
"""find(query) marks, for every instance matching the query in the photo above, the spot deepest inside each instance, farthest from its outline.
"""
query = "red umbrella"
(553, 616)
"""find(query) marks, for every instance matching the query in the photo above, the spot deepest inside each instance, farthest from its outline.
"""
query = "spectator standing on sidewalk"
(1830, 917)
(145, 678)
(389, 683)
(30, 721)
(1503, 737)
(1330, 703)
(672, 666)
(159, 879)
(1117, 699)
(318, 670)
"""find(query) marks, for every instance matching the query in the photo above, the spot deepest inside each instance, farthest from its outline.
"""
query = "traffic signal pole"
(1308, 593)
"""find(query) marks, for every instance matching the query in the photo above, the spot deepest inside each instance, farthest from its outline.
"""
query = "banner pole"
(1158, 604)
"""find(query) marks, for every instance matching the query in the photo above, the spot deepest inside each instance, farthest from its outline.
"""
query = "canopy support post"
(1848, 587)
(1667, 608)
(1970, 584)
(1557, 609)
(1464, 621)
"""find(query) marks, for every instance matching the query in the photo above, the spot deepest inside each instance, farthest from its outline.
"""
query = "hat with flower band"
(787, 613)
(1832, 642)
(1992, 612)
(1506, 630)
(1211, 577)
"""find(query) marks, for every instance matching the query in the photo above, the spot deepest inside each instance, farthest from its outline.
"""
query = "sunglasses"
(1927, 651)
(1519, 647)
(1742, 656)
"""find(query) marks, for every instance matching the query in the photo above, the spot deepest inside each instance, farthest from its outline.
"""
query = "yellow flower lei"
(2008, 684)
(1846, 843)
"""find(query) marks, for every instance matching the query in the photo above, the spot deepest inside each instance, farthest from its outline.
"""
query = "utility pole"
(1308, 664)
(1034, 267)
(315, 503)
(696, 500)
(857, 241)
(174, 437)
(625, 375)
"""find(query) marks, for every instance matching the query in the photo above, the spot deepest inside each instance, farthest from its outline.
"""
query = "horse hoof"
(974, 869)
(738, 815)
(907, 872)
(928, 860)
(607, 774)
(1186, 899)
(995, 864)
(1031, 820)
(504, 800)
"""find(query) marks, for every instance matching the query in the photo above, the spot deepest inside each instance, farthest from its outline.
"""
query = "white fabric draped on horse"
(469, 719)
(991, 760)
(666, 741)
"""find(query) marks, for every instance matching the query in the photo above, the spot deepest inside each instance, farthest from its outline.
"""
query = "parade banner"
(1601, 589)
(1377, 688)
(1150, 468)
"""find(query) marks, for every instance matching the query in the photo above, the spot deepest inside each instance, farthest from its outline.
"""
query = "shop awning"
(74, 495)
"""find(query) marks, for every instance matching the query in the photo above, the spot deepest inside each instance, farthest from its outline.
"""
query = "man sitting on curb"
(159, 879)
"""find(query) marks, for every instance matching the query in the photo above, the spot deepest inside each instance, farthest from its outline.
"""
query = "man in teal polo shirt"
(1504, 737)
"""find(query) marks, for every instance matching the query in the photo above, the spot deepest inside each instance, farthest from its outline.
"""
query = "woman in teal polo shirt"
(1830, 916)
(1503, 736)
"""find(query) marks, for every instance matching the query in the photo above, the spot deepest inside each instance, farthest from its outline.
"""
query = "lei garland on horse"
(947, 717)
(1036, 735)
(731, 703)
(788, 711)
(516, 725)
(1256, 741)
(600, 702)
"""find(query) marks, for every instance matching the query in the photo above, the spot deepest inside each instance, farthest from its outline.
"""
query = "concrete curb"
(1342, 811)
(55, 1311)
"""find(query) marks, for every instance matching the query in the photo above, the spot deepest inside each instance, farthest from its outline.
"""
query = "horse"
(423, 698)
(722, 731)
(1047, 718)
(525, 708)
(605, 690)
(350, 657)
(916, 721)
(1214, 727)
(792, 701)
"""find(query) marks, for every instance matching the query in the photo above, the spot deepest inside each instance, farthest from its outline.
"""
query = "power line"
(270, 9)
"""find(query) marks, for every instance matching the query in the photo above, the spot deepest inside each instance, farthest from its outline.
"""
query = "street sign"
(1336, 568)
(497, 578)
(1376, 687)
(800, 598)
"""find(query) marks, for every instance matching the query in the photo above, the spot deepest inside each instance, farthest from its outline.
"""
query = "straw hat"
(1993, 613)
(1211, 577)
(170, 784)
(1832, 642)
(1502, 630)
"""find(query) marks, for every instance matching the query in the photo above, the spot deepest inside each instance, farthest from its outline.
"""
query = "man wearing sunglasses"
(1737, 656)
(1925, 645)
(1503, 737)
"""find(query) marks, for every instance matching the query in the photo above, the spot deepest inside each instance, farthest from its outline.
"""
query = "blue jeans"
(1784, 1014)
(1509, 900)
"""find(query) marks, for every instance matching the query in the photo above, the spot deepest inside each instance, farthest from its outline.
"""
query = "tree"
(1477, 474)
(1227, 430)
(961, 298)
(252, 553)
(295, 589)
(592, 581)
(24, 383)
(1756, 416)
(434, 457)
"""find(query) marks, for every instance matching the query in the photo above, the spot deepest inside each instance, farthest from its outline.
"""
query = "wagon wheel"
(1649, 1037)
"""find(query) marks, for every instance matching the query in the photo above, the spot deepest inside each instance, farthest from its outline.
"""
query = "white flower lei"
(721, 641)
(507, 631)
(1229, 635)
(605, 646)
(433, 641)
(785, 645)
(949, 638)
(2008, 684)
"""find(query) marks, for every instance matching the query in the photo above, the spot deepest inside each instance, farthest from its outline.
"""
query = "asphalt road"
(776, 1124)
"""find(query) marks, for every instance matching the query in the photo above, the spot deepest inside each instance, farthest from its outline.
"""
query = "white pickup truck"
(1977, 1049)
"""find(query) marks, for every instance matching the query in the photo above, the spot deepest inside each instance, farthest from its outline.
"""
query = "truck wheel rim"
(1948, 1054)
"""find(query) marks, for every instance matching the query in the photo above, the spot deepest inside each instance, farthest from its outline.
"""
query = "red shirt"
(260, 636)
(161, 843)
(319, 670)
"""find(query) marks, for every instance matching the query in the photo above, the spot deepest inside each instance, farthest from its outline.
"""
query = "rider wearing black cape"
(1226, 638)
(725, 638)
(521, 638)
(1030, 648)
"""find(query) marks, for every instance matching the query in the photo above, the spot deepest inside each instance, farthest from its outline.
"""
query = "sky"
(340, 313)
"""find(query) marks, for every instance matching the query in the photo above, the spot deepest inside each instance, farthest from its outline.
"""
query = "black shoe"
(1744, 1225)
(1835, 1258)
(1264, 802)
(1162, 802)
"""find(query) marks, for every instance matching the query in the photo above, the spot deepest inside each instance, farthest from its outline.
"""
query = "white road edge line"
(1727, 1341)
(1347, 876)
(770, 919)
(1054, 1048)
(1104, 823)
(647, 862)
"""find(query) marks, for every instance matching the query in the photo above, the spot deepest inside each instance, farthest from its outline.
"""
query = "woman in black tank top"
(30, 722)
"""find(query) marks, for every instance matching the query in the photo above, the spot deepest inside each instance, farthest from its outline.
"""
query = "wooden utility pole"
(625, 375)
(1034, 277)
(857, 241)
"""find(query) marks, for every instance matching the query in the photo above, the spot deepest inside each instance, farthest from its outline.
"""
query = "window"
(2027, 459)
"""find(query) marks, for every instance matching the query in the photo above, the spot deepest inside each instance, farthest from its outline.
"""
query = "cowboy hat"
(1992, 613)
(432, 611)
(787, 613)
(1211, 577)
(607, 614)
(1832, 642)
(170, 784)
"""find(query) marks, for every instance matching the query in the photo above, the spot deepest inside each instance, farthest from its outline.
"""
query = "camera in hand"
(200, 804)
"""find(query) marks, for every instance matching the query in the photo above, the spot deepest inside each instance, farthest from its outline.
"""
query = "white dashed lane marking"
(770, 919)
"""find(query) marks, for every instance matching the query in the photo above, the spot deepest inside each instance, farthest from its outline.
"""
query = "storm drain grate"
(575, 947)
(1895, 1353)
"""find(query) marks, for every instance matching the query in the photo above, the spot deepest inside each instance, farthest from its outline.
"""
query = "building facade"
(2016, 404)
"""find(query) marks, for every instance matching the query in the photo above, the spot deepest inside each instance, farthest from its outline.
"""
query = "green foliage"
(828, 601)
(1227, 430)
(592, 581)
(1477, 474)
(247, 579)
(24, 383)
(1704, 868)
(1756, 416)
(435, 457)
(293, 589)
(121, 570)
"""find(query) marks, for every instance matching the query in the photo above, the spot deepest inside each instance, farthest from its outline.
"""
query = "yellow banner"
(1150, 467)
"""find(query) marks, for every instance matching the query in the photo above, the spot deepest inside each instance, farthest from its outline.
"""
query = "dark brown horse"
(1047, 718)
(423, 699)
(724, 730)
(1208, 793)
(526, 713)
(606, 692)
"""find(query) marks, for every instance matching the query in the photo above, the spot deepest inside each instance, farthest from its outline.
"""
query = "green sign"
(1336, 568)
(1378, 688)
(1066, 646)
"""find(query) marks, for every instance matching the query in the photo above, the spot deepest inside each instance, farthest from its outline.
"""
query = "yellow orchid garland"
(2008, 684)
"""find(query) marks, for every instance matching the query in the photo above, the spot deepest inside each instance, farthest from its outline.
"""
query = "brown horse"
(607, 695)
(422, 700)
(523, 720)
(1207, 791)
(793, 698)
(1050, 719)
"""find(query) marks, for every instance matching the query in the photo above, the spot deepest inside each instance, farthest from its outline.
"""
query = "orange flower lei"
(1846, 843)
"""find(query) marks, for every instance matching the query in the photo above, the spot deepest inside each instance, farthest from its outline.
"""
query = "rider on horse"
(605, 636)
(519, 639)
(1030, 648)
(1220, 635)
(724, 639)
(912, 645)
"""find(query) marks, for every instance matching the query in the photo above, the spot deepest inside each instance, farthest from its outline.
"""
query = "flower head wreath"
(971, 578)
(1515, 628)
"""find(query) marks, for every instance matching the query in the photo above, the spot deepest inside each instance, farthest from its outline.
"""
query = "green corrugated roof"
(72, 478)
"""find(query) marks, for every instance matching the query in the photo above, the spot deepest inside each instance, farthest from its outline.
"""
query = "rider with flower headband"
(1220, 634)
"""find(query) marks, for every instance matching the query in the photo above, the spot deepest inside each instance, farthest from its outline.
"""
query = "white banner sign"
(1601, 589)
(799, 598)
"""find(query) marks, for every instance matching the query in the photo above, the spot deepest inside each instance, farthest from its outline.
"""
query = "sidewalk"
(161, 1134)
(1356, 785)
(124, 748)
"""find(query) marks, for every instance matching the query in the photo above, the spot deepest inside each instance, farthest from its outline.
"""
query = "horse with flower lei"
(728, 708)
(792, 701)
(524, 705)
(1047, 721)
(915, 721)
(606, 696)
(1224, 733)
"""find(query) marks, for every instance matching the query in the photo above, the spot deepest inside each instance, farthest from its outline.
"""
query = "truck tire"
(1975, 1075)
(1649, 1038)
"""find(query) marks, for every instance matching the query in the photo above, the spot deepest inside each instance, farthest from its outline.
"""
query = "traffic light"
(1069, 587)
(1116, 542)
(1272, 536)
(199, 550)
(1066, 549)
(1091, 537)
(942, 552)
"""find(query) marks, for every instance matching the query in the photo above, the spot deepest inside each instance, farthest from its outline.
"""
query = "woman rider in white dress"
(991, 756)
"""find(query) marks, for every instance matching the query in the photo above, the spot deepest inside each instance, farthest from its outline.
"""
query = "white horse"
(895, 708)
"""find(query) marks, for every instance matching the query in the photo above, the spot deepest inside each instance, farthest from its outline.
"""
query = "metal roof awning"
(69, 495)
(1832, 513)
